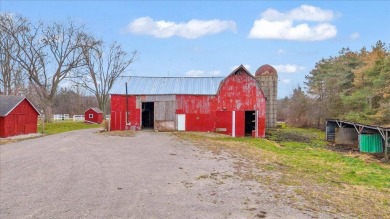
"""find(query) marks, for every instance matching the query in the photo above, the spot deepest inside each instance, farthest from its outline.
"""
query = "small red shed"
(93, 115)
(17, 116)
(234, 105)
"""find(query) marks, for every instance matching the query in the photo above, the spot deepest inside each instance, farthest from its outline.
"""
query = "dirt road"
(84, 174)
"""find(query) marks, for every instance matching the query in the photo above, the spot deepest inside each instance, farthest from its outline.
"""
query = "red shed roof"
(266, 70)
(8, 103)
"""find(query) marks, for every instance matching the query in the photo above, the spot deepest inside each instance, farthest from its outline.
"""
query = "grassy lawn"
(308, 154)
(327, 180)
(65, 126)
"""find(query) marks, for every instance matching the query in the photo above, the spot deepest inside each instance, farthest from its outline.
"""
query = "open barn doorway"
(250, 122)
(148, 115)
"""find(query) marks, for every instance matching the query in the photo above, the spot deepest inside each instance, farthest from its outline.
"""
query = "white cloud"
(246, 66)
(288, 68)
(277, 25)
(200, 73)
(190, 30)
(286, 81)
(302, 13)
(354, 36)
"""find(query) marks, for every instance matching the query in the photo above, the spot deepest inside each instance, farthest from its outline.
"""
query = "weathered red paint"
(240, 123)
(238, 92)
(200, 122)
(23, 119)
(224, 122)
(118, 113)
(96, 117)
(198, 110)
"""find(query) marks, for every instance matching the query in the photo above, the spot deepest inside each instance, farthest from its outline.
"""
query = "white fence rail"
(61, 117)
(66, 117)
(78, 118)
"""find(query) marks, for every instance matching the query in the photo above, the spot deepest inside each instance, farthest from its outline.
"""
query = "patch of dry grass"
(312, 180)
(357, 201)
(4, 141)
(8, 141)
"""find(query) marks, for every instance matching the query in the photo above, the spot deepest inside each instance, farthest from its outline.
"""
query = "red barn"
(17, 116)
(93, 115)
(234, 105)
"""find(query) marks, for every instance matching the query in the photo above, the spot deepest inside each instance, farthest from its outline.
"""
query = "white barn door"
(181, 122)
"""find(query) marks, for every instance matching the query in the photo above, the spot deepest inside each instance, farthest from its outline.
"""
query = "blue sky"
(210, 38)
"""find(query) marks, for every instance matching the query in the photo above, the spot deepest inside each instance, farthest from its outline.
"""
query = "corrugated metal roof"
(8, 103)
(172, 85)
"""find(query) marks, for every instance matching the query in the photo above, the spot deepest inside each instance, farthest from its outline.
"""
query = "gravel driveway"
(84, 174)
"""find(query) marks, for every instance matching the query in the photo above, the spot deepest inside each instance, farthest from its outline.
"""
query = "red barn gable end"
(234, 105)
(17, 116)
(93, 115)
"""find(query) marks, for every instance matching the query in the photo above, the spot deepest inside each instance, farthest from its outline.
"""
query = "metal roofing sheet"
(375, 127)
(172, 85)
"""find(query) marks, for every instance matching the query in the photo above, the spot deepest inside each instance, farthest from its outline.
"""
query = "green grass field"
(307, 154)
(65, 126)
(352, 183)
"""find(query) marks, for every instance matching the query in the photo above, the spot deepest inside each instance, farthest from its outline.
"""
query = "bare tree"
(48, 53)
(102, 70)
(12, 77)
(69, 101)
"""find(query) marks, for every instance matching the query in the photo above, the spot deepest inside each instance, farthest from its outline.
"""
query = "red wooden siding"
(200, 122)
(118, 113)
(197, 104)
(238, 92)
(224, 122)
(240, 123)
(198, 110)
(21, 120)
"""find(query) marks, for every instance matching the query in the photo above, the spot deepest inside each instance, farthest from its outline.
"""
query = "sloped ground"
(301, 170)
(85, 174)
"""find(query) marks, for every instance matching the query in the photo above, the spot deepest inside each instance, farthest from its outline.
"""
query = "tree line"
(37, 57)
(354, 85)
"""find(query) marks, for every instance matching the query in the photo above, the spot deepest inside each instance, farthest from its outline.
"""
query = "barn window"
(90, 116)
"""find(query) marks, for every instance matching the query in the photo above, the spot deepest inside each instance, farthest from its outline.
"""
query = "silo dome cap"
(266, 70)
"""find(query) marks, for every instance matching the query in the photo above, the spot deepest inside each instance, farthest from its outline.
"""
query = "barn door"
(224, 122)
(239, 124)
(181, 122)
